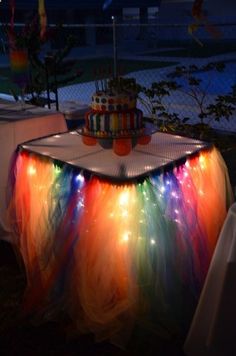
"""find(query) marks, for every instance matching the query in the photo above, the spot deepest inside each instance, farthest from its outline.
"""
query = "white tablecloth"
(213, 330)
(17, 126)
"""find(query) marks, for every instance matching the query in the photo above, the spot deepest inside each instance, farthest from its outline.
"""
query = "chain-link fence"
(149, 53)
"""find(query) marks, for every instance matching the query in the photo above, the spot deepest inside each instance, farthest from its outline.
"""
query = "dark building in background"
(89, 12)
(73, 11)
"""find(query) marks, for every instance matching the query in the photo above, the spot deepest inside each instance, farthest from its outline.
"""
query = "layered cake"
(114, 119)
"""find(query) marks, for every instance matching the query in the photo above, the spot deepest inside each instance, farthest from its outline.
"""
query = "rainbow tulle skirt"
(115, 255)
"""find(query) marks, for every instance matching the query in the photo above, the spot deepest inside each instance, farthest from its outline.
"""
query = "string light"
(57, 170)
(202, 161)
(31, 170)
(79, 178)
(174, 195)
(124, 197)
(162, 189)
(80, 204)
(126, 236)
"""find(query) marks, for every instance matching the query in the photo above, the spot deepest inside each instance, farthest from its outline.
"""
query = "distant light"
(112, 17)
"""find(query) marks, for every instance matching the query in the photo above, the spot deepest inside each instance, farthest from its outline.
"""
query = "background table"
(212, 332)
(118, 241)
(17, 126)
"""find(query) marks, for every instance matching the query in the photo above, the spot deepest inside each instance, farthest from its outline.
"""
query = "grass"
(91, 69)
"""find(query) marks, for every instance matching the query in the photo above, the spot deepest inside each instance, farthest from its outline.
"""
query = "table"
(118, 241)
(212, 332)
(17, 126)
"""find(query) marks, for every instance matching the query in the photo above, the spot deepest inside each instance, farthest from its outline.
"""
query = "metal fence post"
(114, 47)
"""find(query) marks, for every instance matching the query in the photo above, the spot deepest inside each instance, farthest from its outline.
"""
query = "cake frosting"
(114, 113)
(110, 101)
(114, 122)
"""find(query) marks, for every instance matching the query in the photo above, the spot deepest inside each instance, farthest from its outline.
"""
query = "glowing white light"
(123, 199)
(79, 178)
(126, 236)
(80, 204)
(162, 189)
(202, 161)
(31, 170)
(57, 136)
(57, 170)
(174, 195)
(176, 211)
(153, 242)
(73, 132)
(188, 152)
